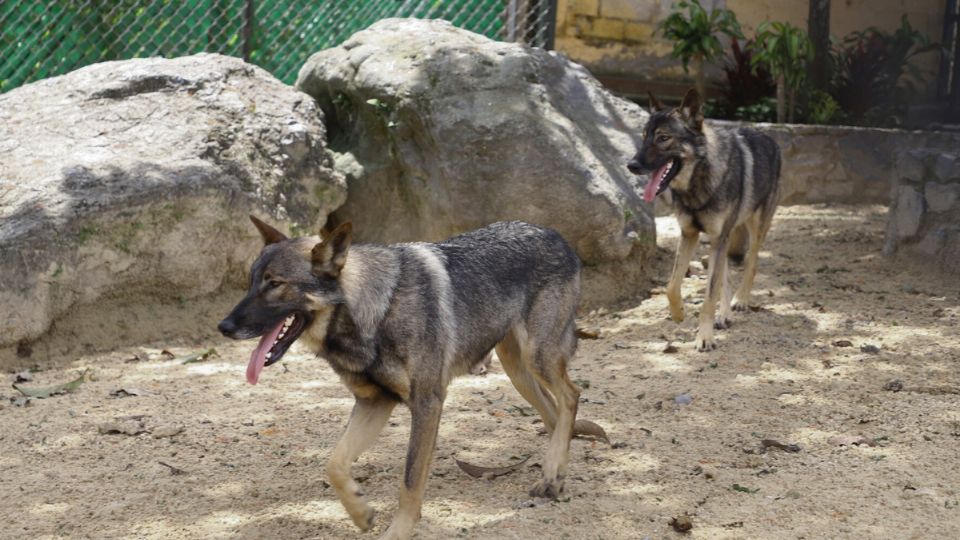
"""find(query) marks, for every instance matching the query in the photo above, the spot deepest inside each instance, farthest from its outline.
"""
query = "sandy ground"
(688, 426)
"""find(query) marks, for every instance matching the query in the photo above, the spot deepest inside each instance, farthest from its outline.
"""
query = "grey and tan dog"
(398, 322)
(724, 182)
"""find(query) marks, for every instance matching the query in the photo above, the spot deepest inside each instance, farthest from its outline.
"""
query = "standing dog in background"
(398, 322)
(724, 182)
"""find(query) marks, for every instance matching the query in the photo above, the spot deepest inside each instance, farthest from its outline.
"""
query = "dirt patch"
(829, 412)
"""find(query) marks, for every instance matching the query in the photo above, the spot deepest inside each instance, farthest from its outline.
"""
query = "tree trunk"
(818, 27)
(781, 98)
(700, 77)
(792, 104)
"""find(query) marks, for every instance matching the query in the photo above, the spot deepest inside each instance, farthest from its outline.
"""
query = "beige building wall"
(614, 38)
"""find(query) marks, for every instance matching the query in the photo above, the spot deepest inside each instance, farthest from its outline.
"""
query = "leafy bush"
(869, 82)
(744, 85)
(822, 108)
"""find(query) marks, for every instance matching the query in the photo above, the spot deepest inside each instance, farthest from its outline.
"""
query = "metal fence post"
(551, 25)
(249, 13)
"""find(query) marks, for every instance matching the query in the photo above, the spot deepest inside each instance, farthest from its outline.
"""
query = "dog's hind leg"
(509, 352)
(551, 370)
(550, 344)
(366, 422)
(758, 224)
(426, 404)
(688, 244)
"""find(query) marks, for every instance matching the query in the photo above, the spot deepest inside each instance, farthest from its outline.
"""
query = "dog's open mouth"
(661, 178)
(273, 344)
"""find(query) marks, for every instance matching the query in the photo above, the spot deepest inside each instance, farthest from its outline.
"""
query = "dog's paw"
(400, 529)
(706, 344)
(740, 306)
(364, 518)
(676, 315)
(722, 323)
(549, 489)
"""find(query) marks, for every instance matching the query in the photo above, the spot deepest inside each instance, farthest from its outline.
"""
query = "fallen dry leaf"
(586, 428)
(128, 392)
(587, 334)
(770, 443)
(47, 391)
(198, 356)
(489, 473)
(173, 470)
(848, 440)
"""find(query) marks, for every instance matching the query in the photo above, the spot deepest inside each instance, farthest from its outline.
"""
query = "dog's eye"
(273, 284)
(663, 138)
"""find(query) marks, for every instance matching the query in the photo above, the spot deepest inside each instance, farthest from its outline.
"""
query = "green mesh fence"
(43, 39)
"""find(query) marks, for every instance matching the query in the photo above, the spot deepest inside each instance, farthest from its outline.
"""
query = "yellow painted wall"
(615, 37)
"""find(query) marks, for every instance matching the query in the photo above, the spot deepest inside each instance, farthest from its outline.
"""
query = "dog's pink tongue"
(259, 356)
(650, 192)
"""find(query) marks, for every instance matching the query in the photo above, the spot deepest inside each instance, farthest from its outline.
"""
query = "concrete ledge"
(924, 217)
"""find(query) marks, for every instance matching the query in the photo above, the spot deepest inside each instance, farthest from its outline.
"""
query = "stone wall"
(842, 164)
(925, 212)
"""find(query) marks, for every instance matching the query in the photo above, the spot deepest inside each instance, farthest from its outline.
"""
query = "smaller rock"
(894, 385)
(869, 348)
(681, 524)
(848, 440)
(166, 431)
(683, 399)
(122, 427)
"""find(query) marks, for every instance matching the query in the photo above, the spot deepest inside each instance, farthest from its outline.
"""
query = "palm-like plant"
(694, 34)
(784, 50)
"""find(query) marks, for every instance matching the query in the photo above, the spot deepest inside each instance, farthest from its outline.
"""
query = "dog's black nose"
(227, 327)
(634, 166)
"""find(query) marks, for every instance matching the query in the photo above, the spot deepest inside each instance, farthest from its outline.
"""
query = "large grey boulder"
(132, 180)
(439, 130)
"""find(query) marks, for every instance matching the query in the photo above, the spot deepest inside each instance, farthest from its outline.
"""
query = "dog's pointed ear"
(269, 234)
(329, 256)
(655, 104)
(692, 110)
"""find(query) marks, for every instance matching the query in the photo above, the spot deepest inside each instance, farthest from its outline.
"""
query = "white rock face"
(133, 179)
(439, 130)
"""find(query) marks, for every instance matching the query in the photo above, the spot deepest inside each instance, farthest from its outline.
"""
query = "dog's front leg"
(715, 291)
(425, 408)
(688, 244)
(366, 422)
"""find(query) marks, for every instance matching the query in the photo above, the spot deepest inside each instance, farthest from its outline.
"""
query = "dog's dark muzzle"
(228, 328)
